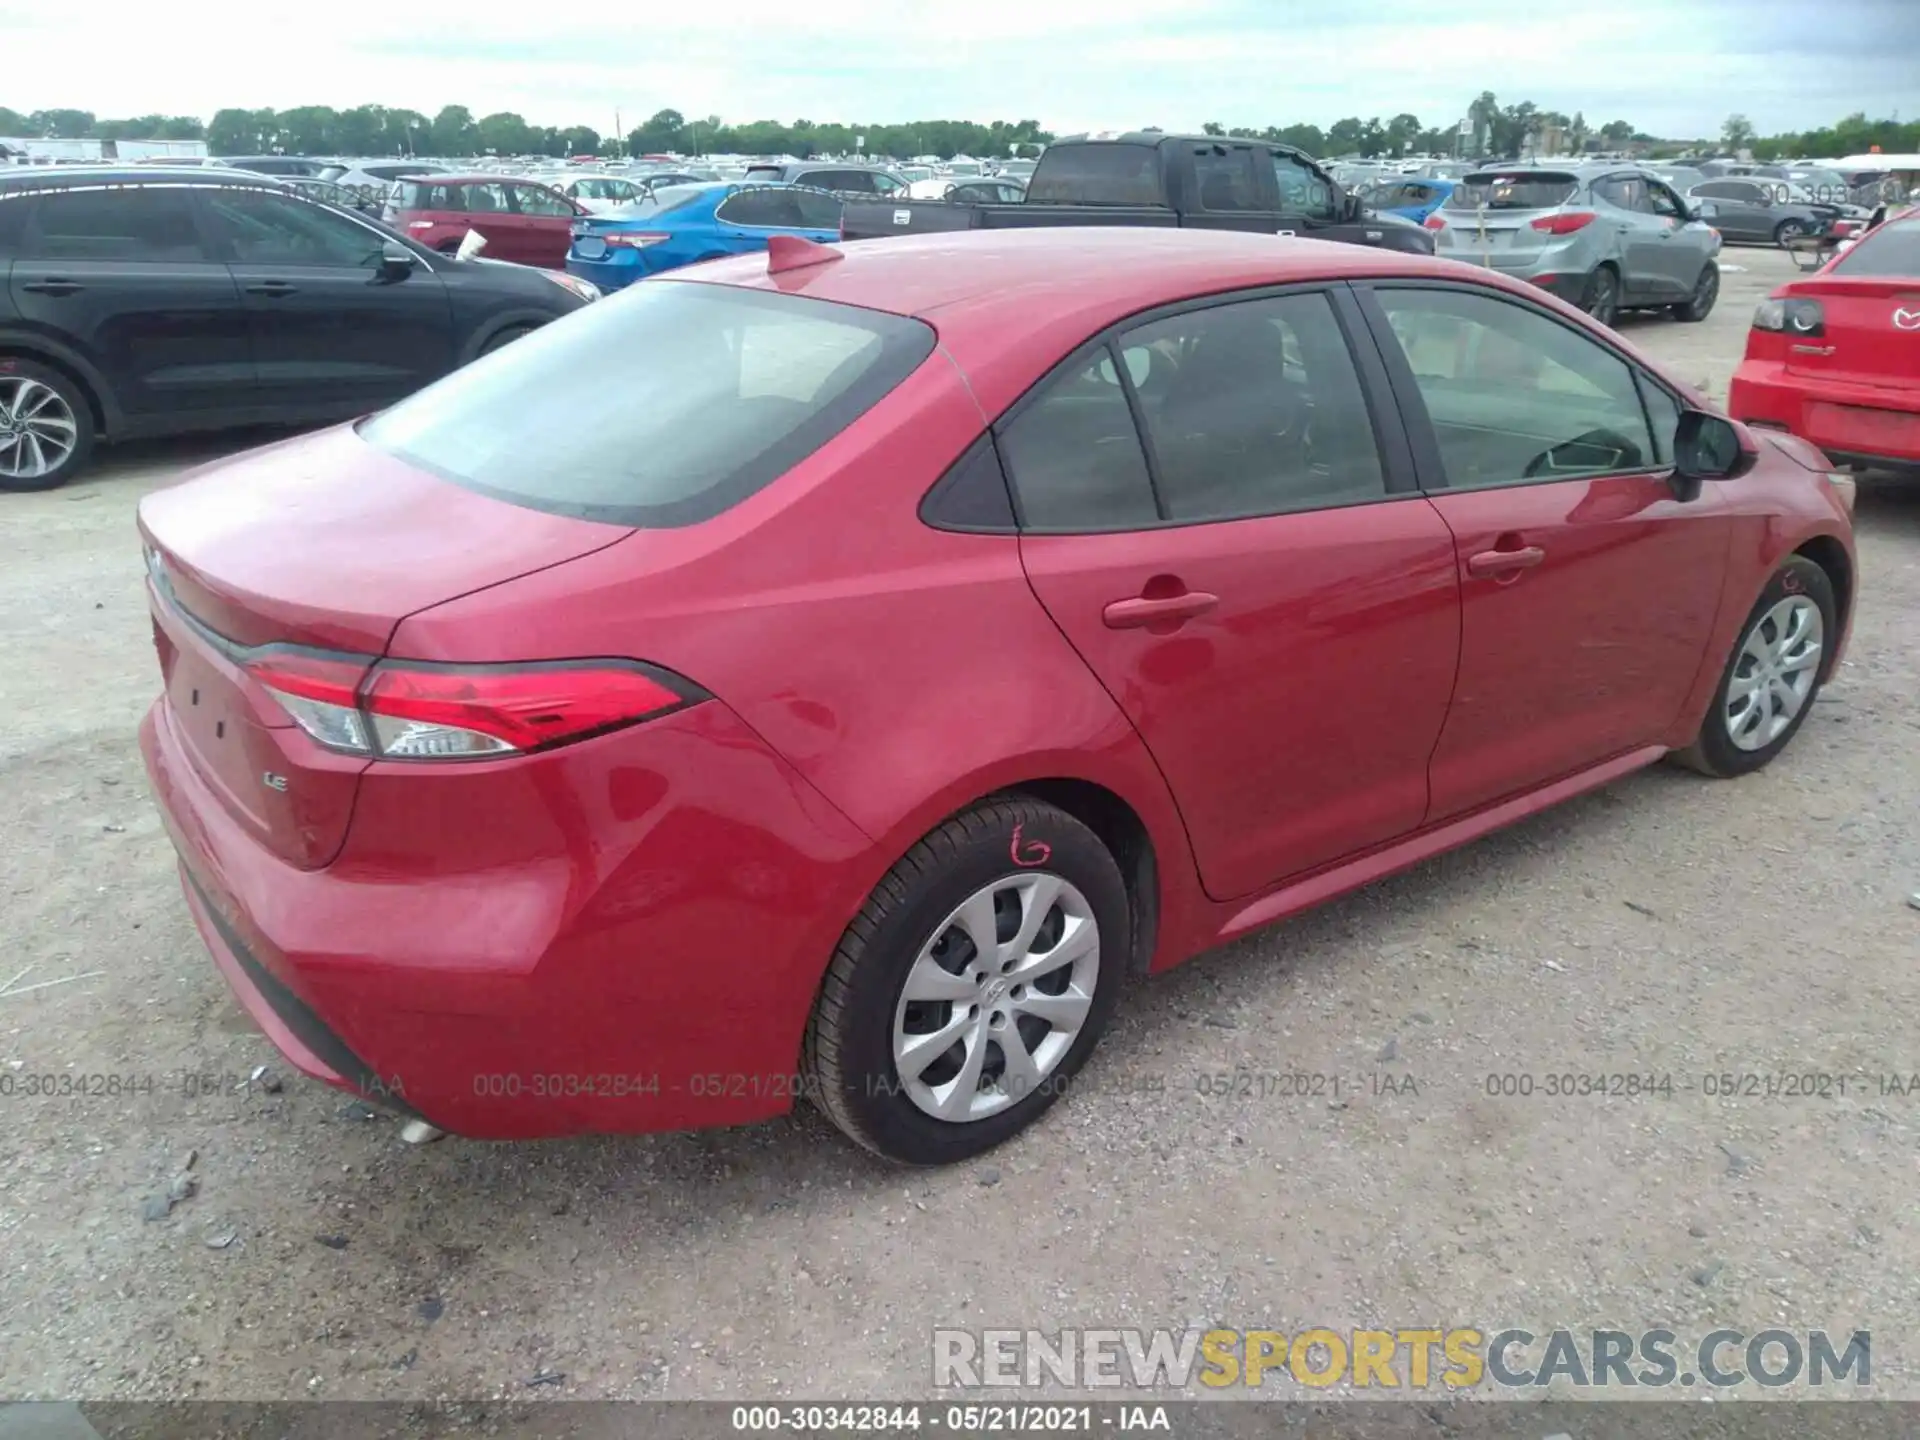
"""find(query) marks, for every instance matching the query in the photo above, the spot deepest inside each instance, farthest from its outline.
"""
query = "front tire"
(46, 426)
(1787, 231)
(972, 985)
(1706, 290)
(1773, 676)
(505, 338)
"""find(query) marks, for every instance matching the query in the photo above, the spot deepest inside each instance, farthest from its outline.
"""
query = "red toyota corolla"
(840, 674)
(1836, 356)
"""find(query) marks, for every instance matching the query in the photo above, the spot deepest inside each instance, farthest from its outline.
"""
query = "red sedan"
(527, 223)
(841, 675)
(1835, 356)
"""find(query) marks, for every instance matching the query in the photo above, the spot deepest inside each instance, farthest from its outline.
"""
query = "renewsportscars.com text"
(1410, 1358)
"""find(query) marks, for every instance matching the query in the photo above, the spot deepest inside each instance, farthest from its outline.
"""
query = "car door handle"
(1141, 610)
(272, 287)
(53, 286)
(1505, 562)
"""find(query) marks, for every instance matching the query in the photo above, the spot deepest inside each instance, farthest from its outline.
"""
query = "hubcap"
(1774, 673)
(996, 997)
(37, 430)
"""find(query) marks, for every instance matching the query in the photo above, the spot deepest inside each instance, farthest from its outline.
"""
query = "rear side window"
(1890, 253)
(1098, 173)
(1517, 190)
(120, 222)
(13, 223)
(1075, 455)
(663, 406)
(763, 208)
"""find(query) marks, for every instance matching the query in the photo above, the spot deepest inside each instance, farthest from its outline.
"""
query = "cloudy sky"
(1673, 67)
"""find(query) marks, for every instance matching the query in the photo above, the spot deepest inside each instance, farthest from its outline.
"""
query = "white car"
(602, 193)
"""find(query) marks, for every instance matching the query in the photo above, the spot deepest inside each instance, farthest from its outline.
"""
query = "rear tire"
(505, 338)
(1773, 677)
(1601, 299)
(46, 426)
(1047, 902)
(1706, 290)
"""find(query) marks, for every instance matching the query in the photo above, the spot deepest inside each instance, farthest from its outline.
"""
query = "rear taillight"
(1844, 488)
(1792, 316)
(635, 239)
(1564, 223)
(1434, 222)
(399, 710)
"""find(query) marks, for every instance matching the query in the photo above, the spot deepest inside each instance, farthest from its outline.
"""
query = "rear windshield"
(1890, 253)
(1519, 190)
(1097, 173)
(663, 406)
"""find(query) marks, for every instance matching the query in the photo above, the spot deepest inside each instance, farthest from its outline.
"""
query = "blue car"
(1412, 197)
(682, 224)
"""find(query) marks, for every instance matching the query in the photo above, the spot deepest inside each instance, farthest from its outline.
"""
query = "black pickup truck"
(1195, 182)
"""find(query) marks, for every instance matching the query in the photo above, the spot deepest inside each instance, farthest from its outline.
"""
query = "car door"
(124, 275)
(1589, 590)
(1686, 244)
(331, 334)
(1740, 213)
(1624, 206)
(545, 222)
(1228, 192)
(1255, 581)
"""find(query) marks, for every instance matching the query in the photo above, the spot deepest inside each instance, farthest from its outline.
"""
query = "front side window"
(1253, 409)
(1515, 397)
(663, 406)
(1301, 191)
(263, 229)
(118, 222)
(532, 200)
(1074, 455)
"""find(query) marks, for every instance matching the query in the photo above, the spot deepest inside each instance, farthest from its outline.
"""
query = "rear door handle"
(1140, 611)
(1505, 562)
(53, 287)
(272, 287)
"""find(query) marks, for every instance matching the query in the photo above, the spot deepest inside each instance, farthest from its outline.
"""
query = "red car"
(1835, 356)
(528, 223)
(841, 674)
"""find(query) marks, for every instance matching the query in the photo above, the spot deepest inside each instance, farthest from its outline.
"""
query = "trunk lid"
(1872, 333)
(1489, 219)
(324, 543)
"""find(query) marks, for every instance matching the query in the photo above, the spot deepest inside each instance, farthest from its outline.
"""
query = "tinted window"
(13, 223)
(855, 180)
(1746, 190)
(1715, 190)
(662, 406)
(1223, 178)
(1098, 173)
(1890, 252)
(263, 229)
(818, 209)
(121, 223)
(1515, 190)
(762, 208)
(1253, 409)
(532, 200)
(1075, 457)
(1514, 396)
(1624, 192)
(1301, 191)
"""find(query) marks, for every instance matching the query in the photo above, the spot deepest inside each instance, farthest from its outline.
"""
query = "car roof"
(1053, 286)
(50, 177)
(471, 177)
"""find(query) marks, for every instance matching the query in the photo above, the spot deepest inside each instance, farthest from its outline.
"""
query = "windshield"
(1890, 253)
(662, 406)
(1513, 190)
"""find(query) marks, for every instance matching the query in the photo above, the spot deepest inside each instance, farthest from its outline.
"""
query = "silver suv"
(1606, 238)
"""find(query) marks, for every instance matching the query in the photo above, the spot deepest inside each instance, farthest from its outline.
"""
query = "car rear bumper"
(617, 271)
(1855, 424)
(620, 935)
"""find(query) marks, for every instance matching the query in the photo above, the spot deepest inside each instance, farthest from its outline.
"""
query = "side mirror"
(396, 262)
(1708, 447)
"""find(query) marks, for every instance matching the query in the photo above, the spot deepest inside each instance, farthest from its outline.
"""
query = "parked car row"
(144, 301)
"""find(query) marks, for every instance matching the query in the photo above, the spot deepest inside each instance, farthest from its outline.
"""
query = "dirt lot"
(1667, 925)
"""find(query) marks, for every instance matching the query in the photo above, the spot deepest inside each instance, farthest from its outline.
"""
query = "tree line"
(1505, 130)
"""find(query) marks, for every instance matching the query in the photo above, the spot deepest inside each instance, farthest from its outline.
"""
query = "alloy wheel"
(38, 431)
(1778, 662)
(1606, 297)
(995, 998)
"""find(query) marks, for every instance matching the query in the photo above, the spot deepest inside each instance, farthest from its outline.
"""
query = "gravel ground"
(1666, 925)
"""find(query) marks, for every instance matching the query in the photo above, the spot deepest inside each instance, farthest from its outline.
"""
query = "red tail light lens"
(634, 239)
(1434, 222)
(414, 711)
(1565, 223)
(1793, 315)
